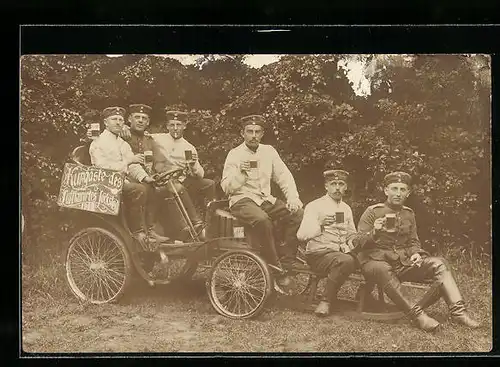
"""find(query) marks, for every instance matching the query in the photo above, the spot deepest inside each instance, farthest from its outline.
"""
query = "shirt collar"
(137, 133)
(174, 140)
(396, 208)
(109, 134)
(330, 198)
(244, 146)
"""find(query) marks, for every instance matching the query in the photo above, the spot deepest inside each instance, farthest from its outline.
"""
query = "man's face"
(253, 135)
(114, 123)
(176, 128)
(336, 189)
(397, 193)
(138, 121)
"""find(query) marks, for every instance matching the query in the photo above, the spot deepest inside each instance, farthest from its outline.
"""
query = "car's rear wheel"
(98, 266)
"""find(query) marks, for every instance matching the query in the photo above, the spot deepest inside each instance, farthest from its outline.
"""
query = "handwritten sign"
(91, 189)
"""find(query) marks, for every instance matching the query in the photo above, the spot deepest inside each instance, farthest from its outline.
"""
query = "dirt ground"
(180, 318)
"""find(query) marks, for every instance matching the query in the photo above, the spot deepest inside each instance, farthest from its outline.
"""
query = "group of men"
(385, 246)
(123, 148)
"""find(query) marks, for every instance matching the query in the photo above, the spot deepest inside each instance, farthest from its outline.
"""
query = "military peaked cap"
(336, 174)
(139, 108)
(177, 115)
(393, 177)
(110, 111)
(253, 120)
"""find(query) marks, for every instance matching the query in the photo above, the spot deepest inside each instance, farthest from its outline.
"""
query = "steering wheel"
(162, 178)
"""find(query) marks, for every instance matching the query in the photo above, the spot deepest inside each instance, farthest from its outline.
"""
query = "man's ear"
(386, 191)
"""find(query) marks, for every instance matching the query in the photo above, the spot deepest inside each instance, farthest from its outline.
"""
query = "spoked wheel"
(302, 280)
(98, 266)
(302, 284)
(239, 284)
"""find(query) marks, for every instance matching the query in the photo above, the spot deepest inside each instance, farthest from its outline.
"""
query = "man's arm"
(232, 177)
(414, 242)
(197, 169)
(101, 159)
(283, 177)
(366, 233)
(310, 226)
(350, 228)
(137, 172)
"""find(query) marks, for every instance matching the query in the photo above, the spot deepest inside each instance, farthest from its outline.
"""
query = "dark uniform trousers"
(260, 220)
(135, 197)
(201, 190)
(335, 265)
(385, 260)
(160, 202)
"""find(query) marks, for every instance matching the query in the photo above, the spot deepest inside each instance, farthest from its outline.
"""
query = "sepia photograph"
(256, 203)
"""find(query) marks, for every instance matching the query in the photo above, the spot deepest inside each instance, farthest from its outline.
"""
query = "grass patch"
(179, 318)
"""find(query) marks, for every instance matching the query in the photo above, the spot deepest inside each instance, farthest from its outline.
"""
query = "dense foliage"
(430, 117)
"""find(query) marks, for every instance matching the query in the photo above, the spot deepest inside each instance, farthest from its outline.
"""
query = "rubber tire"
(128, 268)
(267, 275)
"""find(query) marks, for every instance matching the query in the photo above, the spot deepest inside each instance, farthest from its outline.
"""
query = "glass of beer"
(253, 164)
(188, 155)
(95, 129)
(339, 217)
(148, 156)
(390, 222)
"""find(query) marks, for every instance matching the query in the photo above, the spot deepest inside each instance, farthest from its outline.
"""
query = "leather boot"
(423, 321)
(323, 309)
(415, 313)
(189, 206)
(456, 305)
(332, 288)
(431, 296)
(154, 236)
(142, 238)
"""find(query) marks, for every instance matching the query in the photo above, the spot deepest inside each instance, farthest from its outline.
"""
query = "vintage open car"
(103, 257)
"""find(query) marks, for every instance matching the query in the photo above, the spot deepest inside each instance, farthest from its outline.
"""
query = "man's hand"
(328, 220)
(125, 133)
(138, 158)
(245, 166)
(189, 169)
(148, 179)
(344, 247)
(194, 159)
(378, 224)
(416, 259)
(293, 205)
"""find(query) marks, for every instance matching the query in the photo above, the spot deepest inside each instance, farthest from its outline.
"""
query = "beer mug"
(95, 129)
(188, 155)
(339, 217)
(254, 170)
(148, 156)
(390, 222)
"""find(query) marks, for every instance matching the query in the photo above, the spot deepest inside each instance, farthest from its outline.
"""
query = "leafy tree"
(428, 115)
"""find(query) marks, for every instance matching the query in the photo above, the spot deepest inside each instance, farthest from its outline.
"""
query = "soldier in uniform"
(391, 253)
(141, 141)
(246, 179)
(110, 151)
(170, 152)
(138, 119)
(328, 227)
